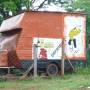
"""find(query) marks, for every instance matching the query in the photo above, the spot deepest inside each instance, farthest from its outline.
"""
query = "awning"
(11, 23)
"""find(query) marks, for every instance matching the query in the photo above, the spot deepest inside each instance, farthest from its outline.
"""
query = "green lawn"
(72, 81)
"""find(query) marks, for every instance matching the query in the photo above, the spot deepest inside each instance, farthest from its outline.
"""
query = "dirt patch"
(7, 89)
(10, 77)
(82, 88)
(32, 88)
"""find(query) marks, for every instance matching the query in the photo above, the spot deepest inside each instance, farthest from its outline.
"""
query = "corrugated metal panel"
(11, 23)
(3, 59)
(42, 24)
(38, 24)
(9, 42)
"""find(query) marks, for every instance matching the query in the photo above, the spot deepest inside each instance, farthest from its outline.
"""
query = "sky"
(51, 7)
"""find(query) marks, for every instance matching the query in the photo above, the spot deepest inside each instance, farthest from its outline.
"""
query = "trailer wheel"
(52, 69)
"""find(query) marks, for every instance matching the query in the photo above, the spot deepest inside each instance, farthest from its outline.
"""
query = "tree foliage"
(16, 6)
(84, 6)
(7, 6)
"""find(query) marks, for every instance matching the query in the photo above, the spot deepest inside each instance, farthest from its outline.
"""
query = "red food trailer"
(46, 29)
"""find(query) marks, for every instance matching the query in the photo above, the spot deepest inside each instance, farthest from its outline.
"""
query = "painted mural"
(74, 33)
(48, 48)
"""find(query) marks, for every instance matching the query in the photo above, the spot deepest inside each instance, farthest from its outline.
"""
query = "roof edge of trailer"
(82, 13)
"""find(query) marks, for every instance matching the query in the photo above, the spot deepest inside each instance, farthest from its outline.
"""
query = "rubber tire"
(52, 69)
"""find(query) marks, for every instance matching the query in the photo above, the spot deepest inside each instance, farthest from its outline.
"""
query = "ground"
(79, 80)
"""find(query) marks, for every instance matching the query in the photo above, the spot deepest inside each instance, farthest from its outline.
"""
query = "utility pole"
(63, 57)
(34, 65)
(35, 60)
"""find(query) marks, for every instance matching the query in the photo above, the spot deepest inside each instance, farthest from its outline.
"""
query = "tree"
(15, 6)
(7, 6)
(84, 6)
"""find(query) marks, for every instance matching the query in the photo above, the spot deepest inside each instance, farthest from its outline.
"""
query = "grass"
(71, 81)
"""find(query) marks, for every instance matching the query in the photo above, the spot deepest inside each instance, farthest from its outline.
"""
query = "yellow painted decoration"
(74, 32)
